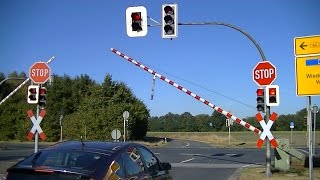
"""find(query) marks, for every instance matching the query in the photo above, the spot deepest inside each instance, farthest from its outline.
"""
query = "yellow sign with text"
(307, 45)
(308, 75)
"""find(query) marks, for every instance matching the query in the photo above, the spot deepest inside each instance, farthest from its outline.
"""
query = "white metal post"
(291, 135)
(124, 130)
(229, 131)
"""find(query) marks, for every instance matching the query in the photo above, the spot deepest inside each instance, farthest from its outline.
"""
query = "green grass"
(237, 139)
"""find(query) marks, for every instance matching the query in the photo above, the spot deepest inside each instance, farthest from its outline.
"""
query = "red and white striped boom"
(206, 102)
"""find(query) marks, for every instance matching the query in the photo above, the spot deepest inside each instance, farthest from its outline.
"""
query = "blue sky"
(214, 62)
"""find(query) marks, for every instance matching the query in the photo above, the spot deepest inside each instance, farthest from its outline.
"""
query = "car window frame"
(123, 153)
(147, 169)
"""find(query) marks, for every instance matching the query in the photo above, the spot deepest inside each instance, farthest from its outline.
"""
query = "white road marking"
(156, 153)
(189, 154)
(216, 166)
(230, 154)
(187, 160)
(187, 144)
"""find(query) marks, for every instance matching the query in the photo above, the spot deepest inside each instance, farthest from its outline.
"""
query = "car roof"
(104, 147)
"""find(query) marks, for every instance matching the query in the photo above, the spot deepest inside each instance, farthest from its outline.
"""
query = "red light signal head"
(42, 91)
(168, 10)
(260, 92)
(33, 90)
(136, 16)
(272, 91)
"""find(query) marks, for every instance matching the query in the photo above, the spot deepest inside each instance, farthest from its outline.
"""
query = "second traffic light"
(260, 100)
(136, 21)
(272, 95)
(42, 97)
(169, 21)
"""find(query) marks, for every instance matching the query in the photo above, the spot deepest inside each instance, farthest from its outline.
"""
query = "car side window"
(150, 160)
(115, 170)
(132, 161)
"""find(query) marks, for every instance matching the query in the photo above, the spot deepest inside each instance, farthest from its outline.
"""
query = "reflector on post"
(136, 21)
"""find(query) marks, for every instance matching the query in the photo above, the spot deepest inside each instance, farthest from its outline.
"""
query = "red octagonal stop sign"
(264, 73)
(39, 72)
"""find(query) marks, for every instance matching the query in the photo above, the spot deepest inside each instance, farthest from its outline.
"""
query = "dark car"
(91, 160)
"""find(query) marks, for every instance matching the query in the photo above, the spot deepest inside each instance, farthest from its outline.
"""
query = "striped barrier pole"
(206, 102)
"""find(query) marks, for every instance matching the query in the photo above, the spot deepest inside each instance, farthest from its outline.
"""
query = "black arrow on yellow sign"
(302, 45)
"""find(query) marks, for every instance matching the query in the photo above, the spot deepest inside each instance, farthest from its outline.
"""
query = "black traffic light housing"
(260, 100)
(42, 97)
(136, 21)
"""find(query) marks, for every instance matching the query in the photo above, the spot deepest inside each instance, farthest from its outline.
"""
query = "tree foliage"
(88, 109)
(91, 110)
(217, 122)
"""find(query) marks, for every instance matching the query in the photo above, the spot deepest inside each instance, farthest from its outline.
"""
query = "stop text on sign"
(264, 73)
(40, 72)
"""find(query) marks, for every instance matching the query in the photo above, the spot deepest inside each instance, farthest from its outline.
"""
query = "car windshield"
(62, 159)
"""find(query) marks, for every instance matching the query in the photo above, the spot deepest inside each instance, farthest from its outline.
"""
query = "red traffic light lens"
(168, 10)
(33, 90)
(42, 91)
(272, 91)
(136, 16)
(260, 92)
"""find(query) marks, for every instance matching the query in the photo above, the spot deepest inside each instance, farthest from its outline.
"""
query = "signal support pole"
(268, 150)
(310, 137)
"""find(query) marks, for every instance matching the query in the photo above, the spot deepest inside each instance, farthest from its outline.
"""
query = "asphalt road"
(190, 160)
(193, 160)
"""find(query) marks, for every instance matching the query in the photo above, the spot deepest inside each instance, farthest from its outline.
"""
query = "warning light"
(33, 91)
(136, 21)
(260, 100)
(42, 97)
(272, 96)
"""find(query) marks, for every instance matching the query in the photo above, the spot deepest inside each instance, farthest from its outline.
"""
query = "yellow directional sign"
(307, 45)
(308, 75)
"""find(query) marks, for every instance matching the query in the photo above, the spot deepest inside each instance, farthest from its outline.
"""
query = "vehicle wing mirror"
(166, 166)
